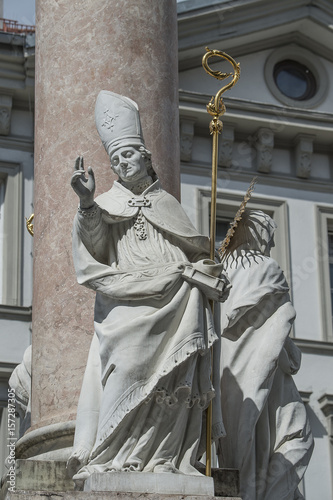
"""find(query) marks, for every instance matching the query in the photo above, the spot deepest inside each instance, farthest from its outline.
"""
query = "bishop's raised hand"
(84, 186)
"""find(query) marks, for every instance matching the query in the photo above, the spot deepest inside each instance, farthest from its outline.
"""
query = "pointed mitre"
(118, 121)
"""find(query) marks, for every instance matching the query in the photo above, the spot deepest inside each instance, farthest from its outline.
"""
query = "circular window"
(296, 77)
(294, 80)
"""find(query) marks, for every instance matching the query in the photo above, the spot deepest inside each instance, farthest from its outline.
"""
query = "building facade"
(17, 54)
(278, 127)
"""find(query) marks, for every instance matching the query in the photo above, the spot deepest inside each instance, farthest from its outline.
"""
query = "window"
(330, 261)
(325, 263)
(222, 226)
(294, 80)
(10, 233)
(296, 77)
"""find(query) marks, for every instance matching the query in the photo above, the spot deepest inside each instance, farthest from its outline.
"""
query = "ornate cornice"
(286, 123)
(245, 175)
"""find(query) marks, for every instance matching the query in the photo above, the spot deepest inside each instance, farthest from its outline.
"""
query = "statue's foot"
(80, 478)
(166, 467)
(77, 460)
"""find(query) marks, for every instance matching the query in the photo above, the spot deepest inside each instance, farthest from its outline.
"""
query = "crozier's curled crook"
(216, 106)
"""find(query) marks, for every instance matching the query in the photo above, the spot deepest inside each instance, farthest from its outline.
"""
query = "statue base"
(145, 482)
(37, 479)
(94, 495)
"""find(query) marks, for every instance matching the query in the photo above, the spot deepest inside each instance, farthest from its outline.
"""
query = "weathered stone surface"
(42, 475)
(226, 482)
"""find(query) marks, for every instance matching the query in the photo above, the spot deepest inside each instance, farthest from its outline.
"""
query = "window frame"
(11, 174)
(305, 57)
(324, 226)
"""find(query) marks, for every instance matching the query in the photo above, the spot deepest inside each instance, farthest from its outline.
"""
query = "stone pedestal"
(82, 495)
(129, 47)
(160, 484)
(42, 476)
(35, 478)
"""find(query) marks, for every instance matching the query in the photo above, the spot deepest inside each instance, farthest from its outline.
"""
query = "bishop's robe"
(147, 379)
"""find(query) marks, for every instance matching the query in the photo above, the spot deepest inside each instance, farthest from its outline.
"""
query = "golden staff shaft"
(209, 417)
(213, 196)
(215, 108)
(212, 233)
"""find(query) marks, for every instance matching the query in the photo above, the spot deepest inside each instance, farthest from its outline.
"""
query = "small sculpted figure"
(268, 436)
(147, 380)
(20, 382)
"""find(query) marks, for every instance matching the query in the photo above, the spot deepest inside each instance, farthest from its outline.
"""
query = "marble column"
(129, 47)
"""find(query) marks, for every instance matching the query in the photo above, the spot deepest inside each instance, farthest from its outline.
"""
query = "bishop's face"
(128, 163)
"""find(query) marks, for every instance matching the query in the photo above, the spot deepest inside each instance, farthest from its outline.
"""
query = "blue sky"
(22, 11)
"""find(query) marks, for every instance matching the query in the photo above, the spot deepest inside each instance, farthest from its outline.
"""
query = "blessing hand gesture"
(83, 186)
